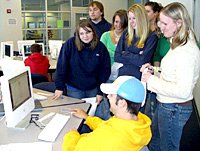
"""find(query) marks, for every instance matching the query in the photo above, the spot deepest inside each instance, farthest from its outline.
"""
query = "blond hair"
(142, 26)
(177, 11)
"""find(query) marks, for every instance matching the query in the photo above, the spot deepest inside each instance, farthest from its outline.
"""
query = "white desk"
(52, 62)
(9, 135)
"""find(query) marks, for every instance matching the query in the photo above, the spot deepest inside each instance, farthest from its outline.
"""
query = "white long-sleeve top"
(180, 70)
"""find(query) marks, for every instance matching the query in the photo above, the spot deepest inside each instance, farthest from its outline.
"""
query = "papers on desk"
(35, 146)
(39, 97)
(92, 101)
(42, 95)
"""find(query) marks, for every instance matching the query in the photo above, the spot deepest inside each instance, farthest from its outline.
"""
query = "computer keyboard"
(53, 128)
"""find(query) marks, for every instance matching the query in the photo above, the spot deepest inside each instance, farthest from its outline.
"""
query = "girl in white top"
(180, 70)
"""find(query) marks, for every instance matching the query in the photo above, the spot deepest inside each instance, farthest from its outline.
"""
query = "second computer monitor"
(26, 50)
(23, 42)
(6, 49)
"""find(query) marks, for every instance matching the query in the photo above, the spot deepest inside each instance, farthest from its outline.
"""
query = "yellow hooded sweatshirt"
(114, 134)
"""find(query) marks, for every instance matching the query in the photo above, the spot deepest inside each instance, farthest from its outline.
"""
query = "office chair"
(38, 78)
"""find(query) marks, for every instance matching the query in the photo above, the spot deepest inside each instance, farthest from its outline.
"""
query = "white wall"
(187, 3)
(193, 7)
(13, 32)
(111, 6)
(197, 19)
(10, 31)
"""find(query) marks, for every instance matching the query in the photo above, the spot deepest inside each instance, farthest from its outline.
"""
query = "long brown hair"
(85, 23)
(123, 18)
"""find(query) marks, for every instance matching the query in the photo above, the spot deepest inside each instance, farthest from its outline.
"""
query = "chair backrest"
(38, 78)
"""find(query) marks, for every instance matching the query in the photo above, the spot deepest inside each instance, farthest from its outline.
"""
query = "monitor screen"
(32, 25)
(17, 93)
(19, 89)
(21, 44)
(27, 50)
(7, 50)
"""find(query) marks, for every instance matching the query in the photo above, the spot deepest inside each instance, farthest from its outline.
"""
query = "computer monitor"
(17, 96)
(32, 25)
(23, 42)
(26, 50)
(6, 49)
(55, 46)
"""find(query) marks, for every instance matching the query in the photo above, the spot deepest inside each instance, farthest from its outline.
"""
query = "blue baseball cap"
(127, 87)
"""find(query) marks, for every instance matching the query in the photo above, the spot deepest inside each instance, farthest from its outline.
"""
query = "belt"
(188, 103)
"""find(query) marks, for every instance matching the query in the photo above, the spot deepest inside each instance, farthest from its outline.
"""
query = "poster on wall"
(12, 21)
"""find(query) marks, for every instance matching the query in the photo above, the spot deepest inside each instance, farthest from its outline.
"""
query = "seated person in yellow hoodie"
(127, 130)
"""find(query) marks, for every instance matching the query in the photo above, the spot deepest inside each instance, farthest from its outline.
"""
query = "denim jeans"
(167, 125)
(103, 109)
(79, 94)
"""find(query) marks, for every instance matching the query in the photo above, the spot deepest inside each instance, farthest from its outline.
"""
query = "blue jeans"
(103, 109)
(79, 94)
(167, 125)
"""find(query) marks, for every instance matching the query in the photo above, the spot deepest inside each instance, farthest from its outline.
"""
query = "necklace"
(116, 35)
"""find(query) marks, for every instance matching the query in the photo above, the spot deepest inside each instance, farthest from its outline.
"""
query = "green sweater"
(107, 41)
(162, 48)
